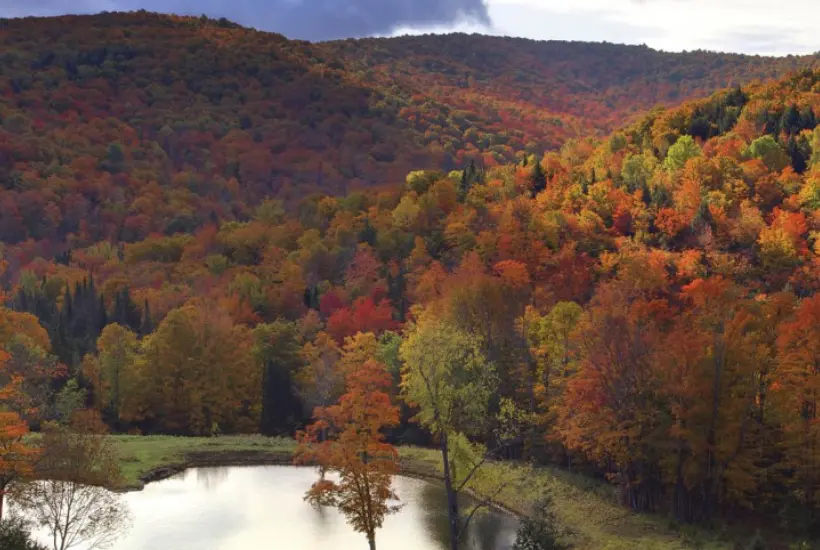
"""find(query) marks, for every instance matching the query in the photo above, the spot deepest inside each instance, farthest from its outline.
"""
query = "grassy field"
(140, 455)
(585, 507)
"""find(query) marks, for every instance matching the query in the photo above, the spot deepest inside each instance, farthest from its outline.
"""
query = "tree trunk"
(452, 497)
(371, 540)
(533, 372)
(5, 481)
(681, 508)
(710, 496)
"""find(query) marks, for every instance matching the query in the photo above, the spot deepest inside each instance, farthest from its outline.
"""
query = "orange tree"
(347, 438)
(16, 457)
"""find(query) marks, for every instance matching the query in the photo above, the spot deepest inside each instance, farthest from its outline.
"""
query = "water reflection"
(70, 514)
(211, 478)
(259, 508)
(434, 507)
(488, 530)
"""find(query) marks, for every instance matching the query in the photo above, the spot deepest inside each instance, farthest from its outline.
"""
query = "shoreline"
(585, 508)
(212, 459)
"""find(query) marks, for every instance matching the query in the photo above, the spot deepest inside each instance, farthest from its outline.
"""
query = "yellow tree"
(200, 373)
(551, 348)
(112, 370)
(29, 360)
(347, 438)
(357, 350)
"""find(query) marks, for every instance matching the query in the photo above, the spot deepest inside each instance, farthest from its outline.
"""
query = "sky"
(763, 27)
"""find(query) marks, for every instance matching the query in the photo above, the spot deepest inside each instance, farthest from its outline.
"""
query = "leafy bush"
(540, 531)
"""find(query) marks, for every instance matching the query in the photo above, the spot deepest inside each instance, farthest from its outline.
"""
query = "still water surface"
(262, 508)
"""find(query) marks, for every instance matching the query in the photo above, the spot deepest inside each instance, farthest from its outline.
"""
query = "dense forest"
(201, 233)
(643, 304)
(118, 126)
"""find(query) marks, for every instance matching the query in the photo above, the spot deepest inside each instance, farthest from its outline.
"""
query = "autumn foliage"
(121, 126)
(348, 439)
(17, 456)
(645, 303)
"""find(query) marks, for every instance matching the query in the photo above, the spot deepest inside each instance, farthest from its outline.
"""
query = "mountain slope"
(725, 185)
(666, 276)
(117, 126)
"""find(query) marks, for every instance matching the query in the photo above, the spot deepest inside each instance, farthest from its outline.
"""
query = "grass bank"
(586, 507)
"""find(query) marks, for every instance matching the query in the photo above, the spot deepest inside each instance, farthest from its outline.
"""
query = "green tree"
(276, 350)
(69, 399)
(538, 179)
(111, 371)
(770, 152)
(447, 377)
(421, 180)
(636, 171)
(683, 150)
(114, 159)
(271, 211)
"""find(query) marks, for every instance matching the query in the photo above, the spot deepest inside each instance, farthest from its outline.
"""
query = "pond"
(256, 508)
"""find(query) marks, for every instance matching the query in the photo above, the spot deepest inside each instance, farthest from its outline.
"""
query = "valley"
(577, 280)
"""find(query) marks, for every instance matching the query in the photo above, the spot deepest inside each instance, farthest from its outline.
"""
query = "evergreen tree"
(125, 311)
(469, 177)
(312, 297)
(463, 186)
(800, 153)
(397, 285)
(102, 318)
(808, 121)
(147, 325)
(368, 233)
(276, 348)
(538, 179)
(790, 122)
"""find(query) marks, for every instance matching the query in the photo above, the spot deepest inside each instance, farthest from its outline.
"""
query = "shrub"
(540, 531)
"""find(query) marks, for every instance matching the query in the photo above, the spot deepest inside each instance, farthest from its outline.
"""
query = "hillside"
(648, 298)
(547, 92)
(117, 126)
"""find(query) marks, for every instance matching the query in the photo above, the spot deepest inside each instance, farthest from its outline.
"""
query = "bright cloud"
(749, 26)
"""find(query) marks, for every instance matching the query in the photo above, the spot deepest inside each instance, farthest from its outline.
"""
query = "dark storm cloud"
(305, 19)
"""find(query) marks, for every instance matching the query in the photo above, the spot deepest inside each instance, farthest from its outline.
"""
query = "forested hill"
(648, 292)
(593, 85)
(117, 126)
